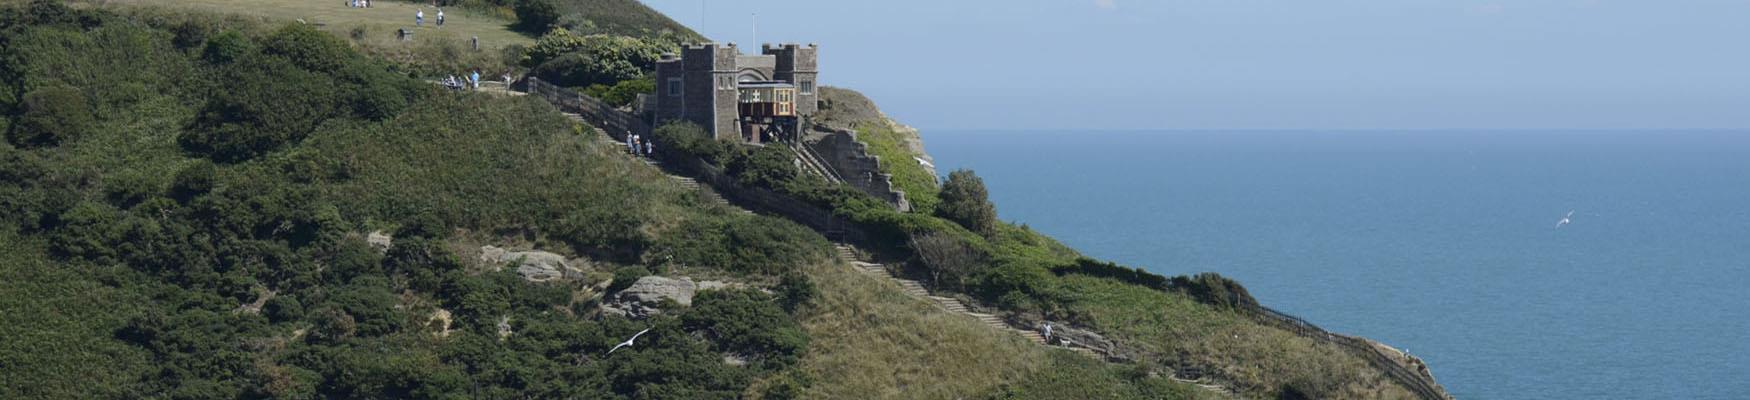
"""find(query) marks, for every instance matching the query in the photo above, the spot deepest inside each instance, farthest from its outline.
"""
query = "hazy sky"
(1260, 64)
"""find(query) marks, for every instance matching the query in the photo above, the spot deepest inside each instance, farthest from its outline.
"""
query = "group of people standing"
(640, 146)
(419, 17)
(358, 3)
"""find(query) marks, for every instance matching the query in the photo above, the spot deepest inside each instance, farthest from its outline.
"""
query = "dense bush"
(534, 16)
(269, 104)
(744, 321)
(309, 48)
(762, 245)
(51, 116)
(622, 94)
(568, 59)
(227, 47)
(1213, 289)
(152, 248)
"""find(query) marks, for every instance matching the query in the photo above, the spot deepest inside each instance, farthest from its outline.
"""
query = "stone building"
(756, 98)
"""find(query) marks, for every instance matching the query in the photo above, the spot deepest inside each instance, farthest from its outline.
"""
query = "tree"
(966, 202)
(949, 260)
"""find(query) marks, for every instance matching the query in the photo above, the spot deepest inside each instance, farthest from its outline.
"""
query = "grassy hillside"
(619, 17)
(185, 200)
(159, 183)
(380, 20)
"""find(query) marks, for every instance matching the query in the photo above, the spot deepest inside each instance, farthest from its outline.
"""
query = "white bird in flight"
(628, 342)
(1567, 219)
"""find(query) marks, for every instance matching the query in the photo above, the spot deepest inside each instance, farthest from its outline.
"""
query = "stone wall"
(851, 159)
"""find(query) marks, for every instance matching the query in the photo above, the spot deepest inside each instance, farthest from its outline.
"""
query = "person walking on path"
(650, 149)
(476, 78)
(419, 18)
(440, 20)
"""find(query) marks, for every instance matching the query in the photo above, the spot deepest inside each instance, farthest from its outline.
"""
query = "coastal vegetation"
(187, 202)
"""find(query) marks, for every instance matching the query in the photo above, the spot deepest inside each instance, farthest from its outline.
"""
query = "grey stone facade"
(700, 84)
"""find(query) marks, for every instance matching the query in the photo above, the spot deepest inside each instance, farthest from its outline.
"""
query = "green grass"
(381, 20)
(885, 141)
(1258, 359)
(622, 17)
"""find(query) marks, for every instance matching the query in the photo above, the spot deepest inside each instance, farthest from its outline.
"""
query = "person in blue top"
(475, 78)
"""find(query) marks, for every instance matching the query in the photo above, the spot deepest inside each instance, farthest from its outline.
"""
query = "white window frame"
(807, 87)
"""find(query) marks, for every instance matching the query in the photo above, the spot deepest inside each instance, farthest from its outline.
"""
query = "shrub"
(745, 321)
(764, 167)
(267, 105)
(763, 245)
(193, 180)
(686, 139)
(52, 115)
(622, 94)
(582, 69)
(1213, 289)
(535, 16)
(966, 202)
(227, 47)
(625, 277)
(949, 260)
(606, 231)
(795, 290)
(308, 48)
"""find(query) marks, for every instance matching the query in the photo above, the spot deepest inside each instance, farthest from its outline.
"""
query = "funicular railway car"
(764, 107)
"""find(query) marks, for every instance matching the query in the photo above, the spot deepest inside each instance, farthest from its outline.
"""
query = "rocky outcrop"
(380, 241)
(1067, 336)
(534, 266)
(643, 297)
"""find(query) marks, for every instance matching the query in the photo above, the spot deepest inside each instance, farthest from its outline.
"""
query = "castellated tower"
(699, 87)
(703, 85)
(796, 64)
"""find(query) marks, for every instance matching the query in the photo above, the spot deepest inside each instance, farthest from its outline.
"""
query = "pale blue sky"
(1270, 64)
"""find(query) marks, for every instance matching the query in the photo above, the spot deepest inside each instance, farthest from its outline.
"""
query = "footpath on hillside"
(382, 18)
(849, 255)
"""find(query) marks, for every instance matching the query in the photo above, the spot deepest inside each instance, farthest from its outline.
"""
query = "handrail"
(1411, 380)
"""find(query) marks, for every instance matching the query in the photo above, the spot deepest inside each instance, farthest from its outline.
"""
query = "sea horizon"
(1444, 245)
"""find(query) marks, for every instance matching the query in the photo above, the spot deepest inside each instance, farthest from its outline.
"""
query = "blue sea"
(1442, 243)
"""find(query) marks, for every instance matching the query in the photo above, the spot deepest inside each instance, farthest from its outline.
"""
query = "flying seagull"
(1567, 219)
(628, 342)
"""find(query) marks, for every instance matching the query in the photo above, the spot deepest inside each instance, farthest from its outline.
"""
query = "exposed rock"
(535, 266)
(262, 295)
(717, 285)
(380, 241)
(735, 360)
(504, 327)
(442, 317)
(1064, 335)
(640, 299)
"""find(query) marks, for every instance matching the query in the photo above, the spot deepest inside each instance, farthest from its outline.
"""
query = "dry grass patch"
(872, 341)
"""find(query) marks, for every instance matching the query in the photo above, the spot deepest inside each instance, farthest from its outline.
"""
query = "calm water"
(1441, 243)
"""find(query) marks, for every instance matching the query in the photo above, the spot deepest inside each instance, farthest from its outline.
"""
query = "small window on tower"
(807, 87)
(674, 87)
